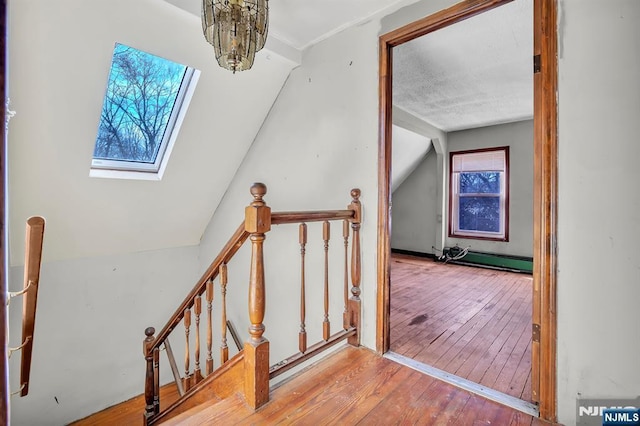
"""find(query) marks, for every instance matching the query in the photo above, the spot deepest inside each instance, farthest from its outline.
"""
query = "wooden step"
(213, 413)
(222, 383)
(128, 412)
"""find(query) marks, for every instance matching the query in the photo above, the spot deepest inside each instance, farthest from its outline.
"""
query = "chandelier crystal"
(237, 29)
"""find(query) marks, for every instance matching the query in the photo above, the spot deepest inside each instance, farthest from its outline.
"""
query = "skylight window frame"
(127, 169)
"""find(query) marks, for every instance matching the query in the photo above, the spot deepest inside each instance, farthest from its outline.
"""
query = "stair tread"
(212, 412)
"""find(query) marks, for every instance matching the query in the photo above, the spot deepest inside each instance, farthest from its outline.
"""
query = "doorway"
(545, 163)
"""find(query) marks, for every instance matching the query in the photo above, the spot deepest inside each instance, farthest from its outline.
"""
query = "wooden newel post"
(256, 349)
(150, 387)
(354, 301)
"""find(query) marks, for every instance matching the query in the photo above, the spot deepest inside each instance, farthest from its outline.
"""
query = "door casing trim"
(545, 180)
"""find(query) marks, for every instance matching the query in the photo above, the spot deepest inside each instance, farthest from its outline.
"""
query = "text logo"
(605, 412)
(624, 416)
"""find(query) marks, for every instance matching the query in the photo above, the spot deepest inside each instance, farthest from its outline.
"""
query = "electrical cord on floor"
(452, 253)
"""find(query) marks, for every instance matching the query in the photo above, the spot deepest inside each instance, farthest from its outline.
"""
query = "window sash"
(494, 160)
(171, 131)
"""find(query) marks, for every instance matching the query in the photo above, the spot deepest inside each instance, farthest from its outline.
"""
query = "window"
(144, 105)
(479, 194)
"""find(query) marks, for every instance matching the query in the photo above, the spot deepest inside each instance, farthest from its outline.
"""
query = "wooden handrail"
(32, 262)
(280, 218)
(233, 245)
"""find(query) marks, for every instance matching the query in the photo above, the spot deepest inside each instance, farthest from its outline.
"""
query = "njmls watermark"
(605, 412)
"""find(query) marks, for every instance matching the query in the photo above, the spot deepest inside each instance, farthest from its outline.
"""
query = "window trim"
(504, 200)
(122, 169)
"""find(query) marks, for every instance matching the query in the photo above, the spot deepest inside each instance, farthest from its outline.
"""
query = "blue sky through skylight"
(138, 104)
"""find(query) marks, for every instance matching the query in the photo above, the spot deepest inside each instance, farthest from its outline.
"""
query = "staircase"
(245, 376)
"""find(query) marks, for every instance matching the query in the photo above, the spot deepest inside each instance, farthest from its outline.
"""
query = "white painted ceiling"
(475, 73)
(301, 23)
(472, 74)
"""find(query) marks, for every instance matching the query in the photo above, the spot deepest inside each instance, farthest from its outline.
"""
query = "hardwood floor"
(354, 386)
(471, 322)
(357, 387)
(128, 412)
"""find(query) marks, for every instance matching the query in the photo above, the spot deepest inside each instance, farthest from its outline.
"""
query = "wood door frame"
(545, 180)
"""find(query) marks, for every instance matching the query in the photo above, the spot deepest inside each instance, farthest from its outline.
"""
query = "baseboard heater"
(487, 260)
(499, 261)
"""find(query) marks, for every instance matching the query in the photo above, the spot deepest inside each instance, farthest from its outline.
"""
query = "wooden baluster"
(209, 296)
(149, 385)
(354, 300)
(197, 308)
(345, 236)
(256, 349)
(156, 380)
(326, 326)
(224, 349)
(187, 354)
(302, 336)
(174, 366)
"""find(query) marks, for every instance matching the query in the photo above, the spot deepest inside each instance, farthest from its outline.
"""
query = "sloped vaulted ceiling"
(60, 52)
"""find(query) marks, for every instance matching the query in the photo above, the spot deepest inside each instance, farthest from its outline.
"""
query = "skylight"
(144, 105)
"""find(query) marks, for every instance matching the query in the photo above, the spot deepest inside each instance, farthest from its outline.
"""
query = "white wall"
(59, 58)
(90, 324)
(409, 149)
(438, 139)
(415, 209)
(519, 138)
(318, 142)
(599, 202)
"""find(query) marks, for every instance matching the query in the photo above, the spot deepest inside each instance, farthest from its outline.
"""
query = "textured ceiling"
(475, 73)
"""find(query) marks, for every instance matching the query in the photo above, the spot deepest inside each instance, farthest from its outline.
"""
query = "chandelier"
(237, 29)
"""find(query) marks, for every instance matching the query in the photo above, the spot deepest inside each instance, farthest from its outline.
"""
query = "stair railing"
(192, 303)
(255, 354)
(350, 329)
(32, 262)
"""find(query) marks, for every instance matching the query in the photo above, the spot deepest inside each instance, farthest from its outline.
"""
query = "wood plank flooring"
(471, 322)
(354, 386)
(128, 412)
(357, 387)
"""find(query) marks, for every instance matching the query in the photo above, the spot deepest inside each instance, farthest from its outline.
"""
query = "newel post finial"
(356, 206)
(257, 221)
(258, 190)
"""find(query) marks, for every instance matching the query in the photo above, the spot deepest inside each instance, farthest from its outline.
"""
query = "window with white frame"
(145, 102)
(479, 194)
